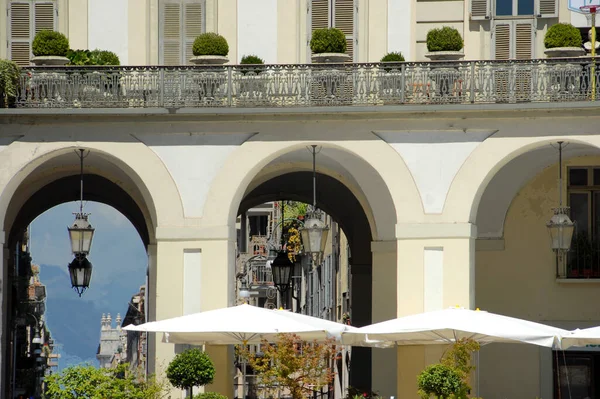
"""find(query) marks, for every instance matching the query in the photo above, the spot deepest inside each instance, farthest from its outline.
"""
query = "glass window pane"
(504, 7)
(578, 177)
(580, 212)
(525, 7)
(596, 176)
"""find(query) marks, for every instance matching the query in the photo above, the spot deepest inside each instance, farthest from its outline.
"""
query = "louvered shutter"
(192, 28)
(480, 9)
(343, 12)
(547, 8)
(502, 41)
(43, 16)
(20, 32)
(171, 43)
(523, 41)
(319, 18)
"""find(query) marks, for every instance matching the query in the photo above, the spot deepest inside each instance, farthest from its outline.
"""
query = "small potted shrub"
(328, 46)
(441, 381)
(191, 368)
(563, 40)
(391, 79)
(444, 44)
(210, 48)
(50, 48)
(251, 84)
(10, 74)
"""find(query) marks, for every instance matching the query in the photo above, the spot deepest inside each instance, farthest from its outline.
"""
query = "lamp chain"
(314, 155)
(560, 143)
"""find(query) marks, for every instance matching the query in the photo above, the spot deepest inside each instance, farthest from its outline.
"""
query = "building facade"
(161, 32)
(443, 195)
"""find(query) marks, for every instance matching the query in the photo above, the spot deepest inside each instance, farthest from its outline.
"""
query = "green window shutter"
(170, 34)
(19, 32)
(192, 26)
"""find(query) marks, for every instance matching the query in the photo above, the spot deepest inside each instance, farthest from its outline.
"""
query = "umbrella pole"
(244, 378)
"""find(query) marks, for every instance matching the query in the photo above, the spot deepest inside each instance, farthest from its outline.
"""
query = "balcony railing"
(285, 86)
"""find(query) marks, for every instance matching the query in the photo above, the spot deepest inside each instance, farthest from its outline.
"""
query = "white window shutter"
(480, 9)
(343, 12)
(171, 26)
(320, 14)
(502, 41)
(547, 8)
(192, 26)
(20, 32)
(44, 13)
(523, 40)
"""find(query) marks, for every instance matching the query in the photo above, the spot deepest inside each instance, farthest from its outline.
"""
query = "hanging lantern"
(314, 236)
(80, 271)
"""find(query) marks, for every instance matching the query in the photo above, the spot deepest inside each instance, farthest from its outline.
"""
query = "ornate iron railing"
(281, 86)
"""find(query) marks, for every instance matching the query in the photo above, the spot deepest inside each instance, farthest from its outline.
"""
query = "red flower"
(365, 394)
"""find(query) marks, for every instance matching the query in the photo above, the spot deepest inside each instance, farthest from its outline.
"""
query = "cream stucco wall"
(520, 281)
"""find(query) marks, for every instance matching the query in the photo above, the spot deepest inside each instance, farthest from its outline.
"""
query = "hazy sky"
(118, 257)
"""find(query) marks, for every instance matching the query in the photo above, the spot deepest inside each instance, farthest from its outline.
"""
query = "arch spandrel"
(365, 161)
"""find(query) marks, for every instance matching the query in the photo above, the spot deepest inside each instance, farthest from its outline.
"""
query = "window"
(513, 39)
(335, 14)
(583, 260)
(503, 9)
(514, 7)
(25, 19)
(181, 21)
(258, 225)
(576, 374)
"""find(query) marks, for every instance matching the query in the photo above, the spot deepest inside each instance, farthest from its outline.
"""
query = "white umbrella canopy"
(241, 324)
(448, 325)
(583, 337)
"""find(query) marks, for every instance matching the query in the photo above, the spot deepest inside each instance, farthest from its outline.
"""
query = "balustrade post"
(229, 84)
(161, 90)
(403, 84)
(472, 81)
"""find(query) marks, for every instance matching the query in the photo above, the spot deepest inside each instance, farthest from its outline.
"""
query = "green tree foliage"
(47, 42)
(210, 395)
(444, 39)
(9, 81)
(328, 40)
(440, 381)
(252, 60)
(191, 368)
(459, 356)
(562, 35)
(210, 44)
(299, 366)
(88, 382)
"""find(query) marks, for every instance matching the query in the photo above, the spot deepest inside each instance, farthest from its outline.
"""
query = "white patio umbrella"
(241, 324)
(448, 325)
(583, 337)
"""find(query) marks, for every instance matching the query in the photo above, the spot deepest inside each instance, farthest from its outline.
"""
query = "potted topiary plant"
(10, 75)
(563, 40)
(251, 84)
(391, 79)
(444, 44)
(210, 48)
(50, 48)
(328, 46)
(191, 368)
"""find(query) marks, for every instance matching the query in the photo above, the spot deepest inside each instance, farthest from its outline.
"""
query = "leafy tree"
(191, 368)
(292, 363)
(88, 382)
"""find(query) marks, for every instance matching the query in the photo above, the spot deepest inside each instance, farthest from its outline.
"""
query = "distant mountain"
(75, 322)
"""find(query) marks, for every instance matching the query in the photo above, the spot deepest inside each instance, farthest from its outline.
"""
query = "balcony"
(315, 85)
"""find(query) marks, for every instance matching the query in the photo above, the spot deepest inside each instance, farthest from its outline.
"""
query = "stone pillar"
(383, 370)
(436, 270)
(193, 276)
(361, 294)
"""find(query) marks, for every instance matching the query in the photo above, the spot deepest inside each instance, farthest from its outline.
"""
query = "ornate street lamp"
(282, 266)
(244, 292)
(560, 225)
(81, 234)
(314, 232)
(80, 270)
